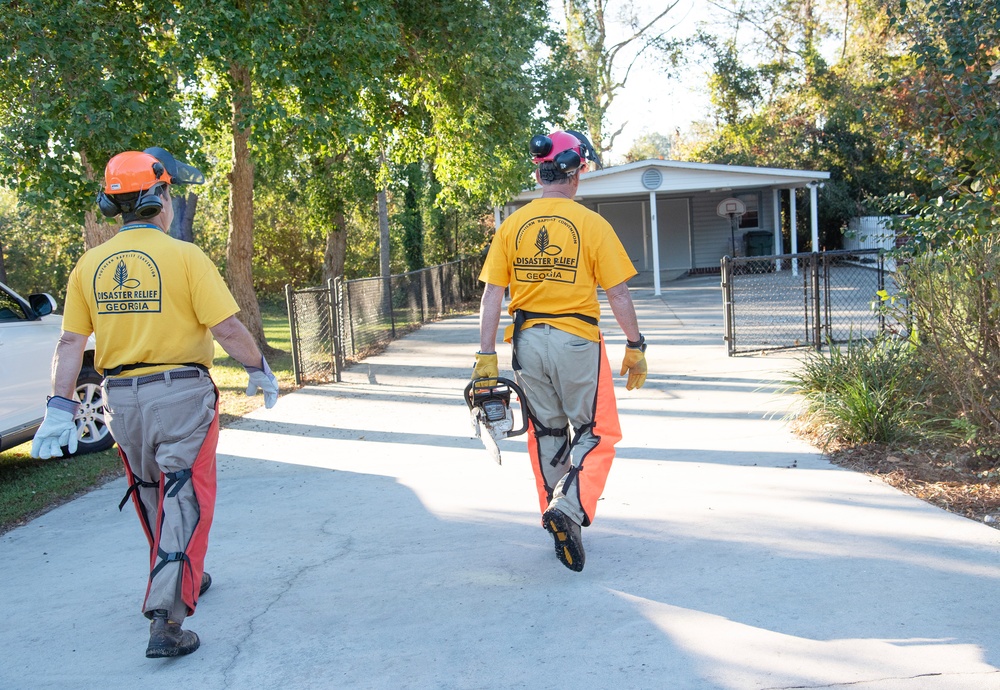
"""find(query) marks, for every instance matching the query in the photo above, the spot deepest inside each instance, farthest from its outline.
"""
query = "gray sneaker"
(566, 533)
(166, 639)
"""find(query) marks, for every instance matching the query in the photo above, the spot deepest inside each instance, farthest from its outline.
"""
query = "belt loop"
(166, 377)
(135, 385)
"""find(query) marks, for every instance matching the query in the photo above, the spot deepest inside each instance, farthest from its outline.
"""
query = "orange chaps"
(571, 444)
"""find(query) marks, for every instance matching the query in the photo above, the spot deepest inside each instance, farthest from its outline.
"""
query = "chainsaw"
(490, 408)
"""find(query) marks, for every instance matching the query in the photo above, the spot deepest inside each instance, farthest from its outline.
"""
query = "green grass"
(864, 392)
(29, 487)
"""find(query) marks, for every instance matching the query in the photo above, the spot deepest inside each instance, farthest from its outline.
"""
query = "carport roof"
(665, 176)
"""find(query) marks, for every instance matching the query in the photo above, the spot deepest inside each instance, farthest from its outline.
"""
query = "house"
(667, 212)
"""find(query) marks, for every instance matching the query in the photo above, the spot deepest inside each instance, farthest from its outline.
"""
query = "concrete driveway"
(363, 539)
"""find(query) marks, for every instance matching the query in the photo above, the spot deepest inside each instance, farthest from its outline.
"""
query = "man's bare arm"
(236, 340)
(489, 317)
(624, 310)
(66, 363)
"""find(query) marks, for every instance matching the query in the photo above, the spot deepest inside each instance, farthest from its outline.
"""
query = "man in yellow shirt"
(553, 254)
(154, 304)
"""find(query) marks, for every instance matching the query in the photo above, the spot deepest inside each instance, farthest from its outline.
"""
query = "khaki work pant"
(567, 380)
(167, 433)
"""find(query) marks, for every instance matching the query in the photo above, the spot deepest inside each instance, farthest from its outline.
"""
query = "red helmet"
(568, 150)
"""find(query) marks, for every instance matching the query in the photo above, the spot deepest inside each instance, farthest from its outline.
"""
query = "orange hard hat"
(133, 171)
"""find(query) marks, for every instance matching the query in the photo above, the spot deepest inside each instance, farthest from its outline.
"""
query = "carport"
(666, 212)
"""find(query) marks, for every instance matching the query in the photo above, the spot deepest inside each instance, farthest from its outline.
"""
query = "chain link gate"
(348, 320)
(797, 300)
(317, 356)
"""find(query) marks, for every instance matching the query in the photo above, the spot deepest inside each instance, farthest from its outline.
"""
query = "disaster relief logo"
(547, 248)
(127, 283)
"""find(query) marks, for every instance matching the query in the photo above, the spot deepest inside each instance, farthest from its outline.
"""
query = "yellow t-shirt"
(147, 298)
(554, 253)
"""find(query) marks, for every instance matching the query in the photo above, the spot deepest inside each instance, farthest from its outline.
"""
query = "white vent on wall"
(651, 178)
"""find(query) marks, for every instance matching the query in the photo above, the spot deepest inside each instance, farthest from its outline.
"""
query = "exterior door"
(674, 231)
(629, 221)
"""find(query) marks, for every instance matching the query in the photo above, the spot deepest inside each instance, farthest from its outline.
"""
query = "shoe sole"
(168, 652)
(569, 553)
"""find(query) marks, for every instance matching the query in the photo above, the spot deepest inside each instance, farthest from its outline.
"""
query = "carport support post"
(814, 215)
(778, 248)
(792, 230)
(656, 243)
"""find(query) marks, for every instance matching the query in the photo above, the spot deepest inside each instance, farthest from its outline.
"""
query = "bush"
(953, 296)
(865, 392)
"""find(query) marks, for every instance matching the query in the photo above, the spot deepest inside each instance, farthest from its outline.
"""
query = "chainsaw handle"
(521, 398)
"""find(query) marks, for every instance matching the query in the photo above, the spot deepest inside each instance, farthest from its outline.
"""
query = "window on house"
(751, 219)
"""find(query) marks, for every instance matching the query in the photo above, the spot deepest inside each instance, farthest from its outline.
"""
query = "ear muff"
(109, 207)
(564, 149)
(149, 204)
(540, 146)
(568, 161)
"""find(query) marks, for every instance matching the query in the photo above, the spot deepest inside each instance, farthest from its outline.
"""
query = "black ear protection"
(149, 203)
(568, 161)
(540, 146)
(109, 207)
(146, 205)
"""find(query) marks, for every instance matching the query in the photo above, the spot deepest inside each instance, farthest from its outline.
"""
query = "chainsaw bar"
(490, 408)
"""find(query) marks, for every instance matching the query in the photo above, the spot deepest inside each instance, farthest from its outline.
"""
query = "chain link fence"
(797, 300)
(349, 320)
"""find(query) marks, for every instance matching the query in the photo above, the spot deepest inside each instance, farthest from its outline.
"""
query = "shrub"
(864, 392)
(953, 296)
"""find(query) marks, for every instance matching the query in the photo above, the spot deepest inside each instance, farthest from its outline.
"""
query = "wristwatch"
(639, 344)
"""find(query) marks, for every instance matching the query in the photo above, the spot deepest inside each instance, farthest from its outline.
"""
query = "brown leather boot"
(166, 638)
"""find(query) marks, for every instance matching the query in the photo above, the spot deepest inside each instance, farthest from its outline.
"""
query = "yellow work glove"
(635, 364)
(486, 368)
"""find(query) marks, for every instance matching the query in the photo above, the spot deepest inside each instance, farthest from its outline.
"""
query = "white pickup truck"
(29, 332)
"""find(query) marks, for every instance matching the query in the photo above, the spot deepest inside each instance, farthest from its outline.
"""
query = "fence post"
(338, 305)
(881, 288)
(727, 303)
(392, 309)
(336, 356)
(815, 259)
(293, 328)
(350, 316)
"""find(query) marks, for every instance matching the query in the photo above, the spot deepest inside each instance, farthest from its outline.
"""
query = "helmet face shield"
(180, 173)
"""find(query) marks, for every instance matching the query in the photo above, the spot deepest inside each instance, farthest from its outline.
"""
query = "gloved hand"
(57, 429)
(635, 364)
(263, 378)
(486, 368)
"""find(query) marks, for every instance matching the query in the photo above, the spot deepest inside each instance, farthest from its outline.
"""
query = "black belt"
(139, 365)
(151, 378)
(520, 316)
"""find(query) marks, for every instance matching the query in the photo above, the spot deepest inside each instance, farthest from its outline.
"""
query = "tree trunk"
(184, 210)
(187, 225)
(336, 249)
(94, 231)
(3, 269)
(239, 247)
(384, 265)
(180, 206)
